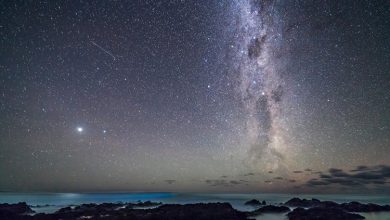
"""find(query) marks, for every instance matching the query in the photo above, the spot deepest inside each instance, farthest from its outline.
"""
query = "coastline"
(58, 205)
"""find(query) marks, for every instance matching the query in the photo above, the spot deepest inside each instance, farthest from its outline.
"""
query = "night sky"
(212, 96)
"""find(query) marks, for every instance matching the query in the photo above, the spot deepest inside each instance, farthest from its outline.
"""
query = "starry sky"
(195, 96)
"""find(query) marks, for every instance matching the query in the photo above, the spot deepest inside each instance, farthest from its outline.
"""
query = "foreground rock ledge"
(316, 210)
(210, 211)
(319, 213)
(348, 207)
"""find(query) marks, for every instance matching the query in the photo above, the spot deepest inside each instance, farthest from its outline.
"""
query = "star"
(80, 129)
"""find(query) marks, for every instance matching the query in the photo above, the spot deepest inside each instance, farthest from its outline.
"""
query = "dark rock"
(14, 211)
(297, 202)
(358, 207)
(209, 211)
(19, 208)
(263, 203)
(110, 211)
(349, 207)
(64, 210)
(270, 209)
(200, 211)
(320, 213)
(253, 202)
(143, 204)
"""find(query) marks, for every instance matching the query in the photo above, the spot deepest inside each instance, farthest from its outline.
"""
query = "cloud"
(297, 171)
(170, 181)
(361, 176)
(234, 182)
(249, 174)
(324, 176)
(224, 183)
(278, 178)
(314, 182)
(337, 172)
(343, 181)
(359, 168)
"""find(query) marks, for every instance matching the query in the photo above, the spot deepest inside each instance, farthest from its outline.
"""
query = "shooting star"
(102, 49)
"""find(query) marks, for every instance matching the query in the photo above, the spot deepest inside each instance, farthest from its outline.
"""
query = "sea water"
(50, 202)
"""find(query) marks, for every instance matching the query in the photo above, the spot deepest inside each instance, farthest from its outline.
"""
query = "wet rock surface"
(349, 207)
(13, 211)
(271, 209)
(320, 213)
(313, 209)
(209, 211)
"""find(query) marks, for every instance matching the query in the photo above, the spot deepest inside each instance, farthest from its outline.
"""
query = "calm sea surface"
(59, 200)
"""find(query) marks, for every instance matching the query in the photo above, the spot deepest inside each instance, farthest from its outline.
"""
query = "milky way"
(261, 85)
(194, 95)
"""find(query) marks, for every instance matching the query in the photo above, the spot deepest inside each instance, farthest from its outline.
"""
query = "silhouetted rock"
(321, 213)
(349, 207)
(210, 211)
(253, 202)
(200, 211)
(64, 210)
(269, 209)
(14, 211)
(358, 207)
(297, 202)
(19, 208)
(143, 204)
(119, 211)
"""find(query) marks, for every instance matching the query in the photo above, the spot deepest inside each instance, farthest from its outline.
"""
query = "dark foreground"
(295, 209)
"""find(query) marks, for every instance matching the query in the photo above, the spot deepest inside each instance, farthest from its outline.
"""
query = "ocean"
(50, 202)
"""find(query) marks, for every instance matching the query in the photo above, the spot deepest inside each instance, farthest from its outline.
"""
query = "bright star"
(80, 129)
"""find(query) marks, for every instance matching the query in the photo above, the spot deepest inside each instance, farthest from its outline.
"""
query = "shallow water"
(59, 200)
(376, 215)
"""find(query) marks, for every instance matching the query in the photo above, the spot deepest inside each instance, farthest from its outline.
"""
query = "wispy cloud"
(361, 176)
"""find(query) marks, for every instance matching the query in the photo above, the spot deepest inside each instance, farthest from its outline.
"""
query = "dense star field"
(237, 96)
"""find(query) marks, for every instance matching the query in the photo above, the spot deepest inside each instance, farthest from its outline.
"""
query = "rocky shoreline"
(295, 209)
